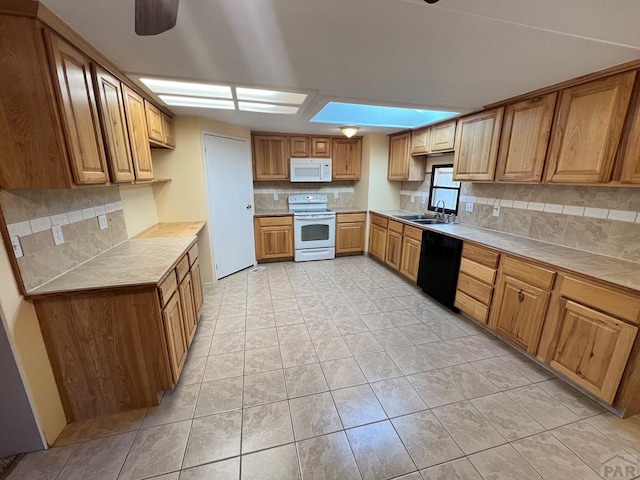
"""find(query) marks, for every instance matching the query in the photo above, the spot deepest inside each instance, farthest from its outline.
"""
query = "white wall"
(139, 208)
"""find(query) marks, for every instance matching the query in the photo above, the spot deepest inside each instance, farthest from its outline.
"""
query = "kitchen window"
(443, 189)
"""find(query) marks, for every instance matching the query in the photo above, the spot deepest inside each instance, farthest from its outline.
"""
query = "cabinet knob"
(521, 296)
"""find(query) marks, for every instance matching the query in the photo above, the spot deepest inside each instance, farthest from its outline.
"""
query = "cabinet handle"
(521, 296)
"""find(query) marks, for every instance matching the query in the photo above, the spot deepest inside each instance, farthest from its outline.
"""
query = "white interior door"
(229, 182)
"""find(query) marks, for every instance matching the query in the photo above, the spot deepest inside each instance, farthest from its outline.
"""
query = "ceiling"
(456, 54)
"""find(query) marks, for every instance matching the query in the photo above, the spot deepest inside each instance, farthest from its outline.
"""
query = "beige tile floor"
(343, 370)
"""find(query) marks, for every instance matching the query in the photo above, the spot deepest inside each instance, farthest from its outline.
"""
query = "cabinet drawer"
(475, 270)
(275, 221)
(413, 232)
(396, 226)
(378, 220)
(472, 307)
(351, 217)
(168, 287)
(193, 254)
(532, 274)
(480, 255)
(476, 289)
(606, 300)
(182, 268)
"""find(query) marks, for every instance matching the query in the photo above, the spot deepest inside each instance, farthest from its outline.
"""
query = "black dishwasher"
(439, 265)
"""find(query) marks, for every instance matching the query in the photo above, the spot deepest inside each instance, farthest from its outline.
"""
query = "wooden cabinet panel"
(114, 125)
(154, 122)
(420, 141)
(188, 308)
(175, 334)
(198, 294)
(274, 242)
(519, 312)
(528, 272)
(299, 146)
(471, 307)
(321, 147)
(587, 130)
(410, 257)
(395, 226)
(443, 137)
(476, 149)
(481, 272)
(79, 112)
(593, 349)
(377, 241)
(350, 237)
(138, 135)
(474, 288)
(378, 220)
(347, 158)
(482, 255)
(394, 249)
(270, 157)
(168, 130)
(525, 138)
(168, 287)
(402, 166)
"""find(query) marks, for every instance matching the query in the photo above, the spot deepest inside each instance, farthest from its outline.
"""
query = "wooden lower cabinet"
(476, 281)
(174, 329)
(350, 228)
(393, 255)
(198, 294)
(274, 238)
(411, 246)
(188, 308)
(378, 241)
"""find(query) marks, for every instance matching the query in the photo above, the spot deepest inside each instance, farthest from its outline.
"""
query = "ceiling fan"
(155, 16)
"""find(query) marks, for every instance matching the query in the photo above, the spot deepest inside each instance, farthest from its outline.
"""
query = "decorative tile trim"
(42, 224)
(286, 191)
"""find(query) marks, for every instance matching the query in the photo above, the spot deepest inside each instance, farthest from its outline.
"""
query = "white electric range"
(314, 228)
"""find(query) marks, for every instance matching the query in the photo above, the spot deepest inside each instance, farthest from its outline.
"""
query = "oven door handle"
(311, 217)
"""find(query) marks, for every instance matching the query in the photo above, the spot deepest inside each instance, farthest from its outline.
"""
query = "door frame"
(208, 206)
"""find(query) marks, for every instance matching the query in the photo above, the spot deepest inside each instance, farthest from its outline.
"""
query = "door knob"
(521, 296)
(249, 206)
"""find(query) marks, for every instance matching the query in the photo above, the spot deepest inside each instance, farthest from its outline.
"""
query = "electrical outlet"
(102, 221)
(468, 207)
(496, 210)
(17, 248)
(58, 238)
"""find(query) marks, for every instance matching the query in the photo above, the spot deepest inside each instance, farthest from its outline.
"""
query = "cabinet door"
(519, 312)
(276, 242)
(349, 237)
(394, 249)
(79, 112)
(399, 156)
(378, 241)
(198, 294)
(443, 137)
(114, 125)
(137, 127)
(477, 141)
(270, 157)
(299, 146)
(175, 335)
(593, 349)
(347, 158)
(321, 147)
(420, 141)
(410, 258)
(188, 308)
(587, 130)
(154, 122)
(525, 138)
(169, 131)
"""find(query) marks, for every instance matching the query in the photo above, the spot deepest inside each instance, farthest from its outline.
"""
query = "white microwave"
(310, 170)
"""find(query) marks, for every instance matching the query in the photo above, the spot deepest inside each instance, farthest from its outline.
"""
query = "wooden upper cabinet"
(299, 146)
(79, 111)
(347, 158)
(270, 157)
(137, 127)
(154, 122)
(588, 126)
(402, 166)
(420, 141)
(114, 125)
(443, 137)
(168, 130)
(525, 138)
(321, 147)
(476, 149)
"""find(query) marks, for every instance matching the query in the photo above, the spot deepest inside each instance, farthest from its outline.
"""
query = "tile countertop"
(609, 269)
(174, 229)
(135, 262)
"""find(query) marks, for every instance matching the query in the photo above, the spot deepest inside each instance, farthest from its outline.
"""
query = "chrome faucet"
(441, 214)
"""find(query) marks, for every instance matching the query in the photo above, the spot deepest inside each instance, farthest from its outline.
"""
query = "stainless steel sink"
(411, 218)
(428, 221)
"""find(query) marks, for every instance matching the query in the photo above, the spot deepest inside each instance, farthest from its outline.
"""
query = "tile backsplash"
(31, 214)
(274, 195)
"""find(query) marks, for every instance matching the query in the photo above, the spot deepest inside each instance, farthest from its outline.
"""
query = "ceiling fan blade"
(155, 16)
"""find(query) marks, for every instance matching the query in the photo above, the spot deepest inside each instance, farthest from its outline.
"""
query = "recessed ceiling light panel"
(266, 108)
(178, 101)
(256, 95)
(173, 87)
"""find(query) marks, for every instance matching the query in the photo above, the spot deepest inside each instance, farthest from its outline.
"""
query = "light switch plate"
(102, 221)
(496, 210)
(468, 207)
(17, 248)
(58, 238)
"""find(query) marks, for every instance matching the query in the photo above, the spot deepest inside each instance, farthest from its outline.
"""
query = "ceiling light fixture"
(349, 131)
(271, 96)
(178, 101)
(266, 108)
(173, 87)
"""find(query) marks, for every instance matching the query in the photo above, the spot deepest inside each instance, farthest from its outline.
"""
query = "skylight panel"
(270, 96)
